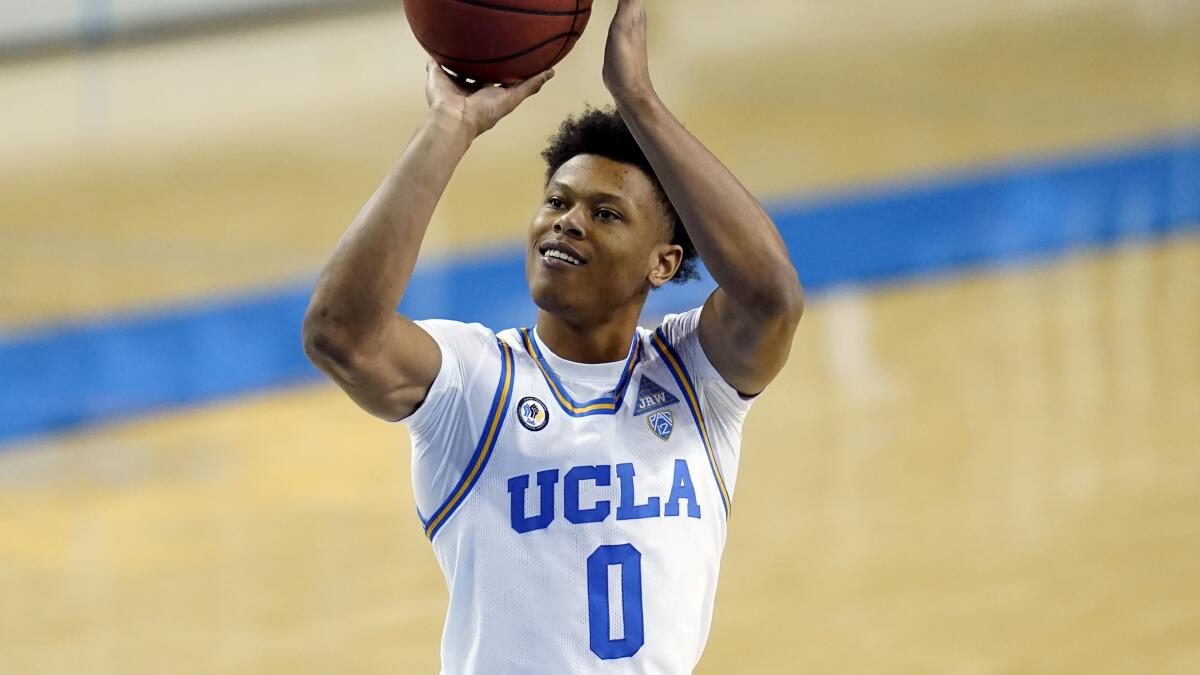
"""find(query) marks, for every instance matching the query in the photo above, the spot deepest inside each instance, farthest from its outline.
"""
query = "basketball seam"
(498, 59)
(524, 10)
(563, 48)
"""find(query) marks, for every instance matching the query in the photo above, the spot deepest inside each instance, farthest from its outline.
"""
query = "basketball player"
(575, 477)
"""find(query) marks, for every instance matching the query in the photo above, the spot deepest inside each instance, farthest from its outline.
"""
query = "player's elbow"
(321, 348)
(791, 304)
(329, 345)
(352, 369)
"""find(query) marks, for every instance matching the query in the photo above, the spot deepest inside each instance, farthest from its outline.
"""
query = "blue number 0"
(630, 560)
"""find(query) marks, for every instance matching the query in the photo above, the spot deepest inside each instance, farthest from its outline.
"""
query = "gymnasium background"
(983, 456)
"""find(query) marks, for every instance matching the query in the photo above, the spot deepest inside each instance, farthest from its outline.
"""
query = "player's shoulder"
(460, 329)
(676, 343)
(674, 340)
(471, 363)
(676, 330)
(469, 351)
(457, 336)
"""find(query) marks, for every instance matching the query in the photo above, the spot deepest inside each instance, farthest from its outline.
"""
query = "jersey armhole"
(691, 397)
(689, 326)
(734, 398)
(442, 382)
(493, 424)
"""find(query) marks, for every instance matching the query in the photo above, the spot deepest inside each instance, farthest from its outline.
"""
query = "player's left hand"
(626, 67)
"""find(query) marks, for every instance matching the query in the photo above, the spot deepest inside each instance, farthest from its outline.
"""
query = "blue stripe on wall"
(70, 375)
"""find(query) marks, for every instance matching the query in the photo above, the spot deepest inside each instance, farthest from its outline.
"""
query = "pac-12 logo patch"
(532, 413)
(662, 423)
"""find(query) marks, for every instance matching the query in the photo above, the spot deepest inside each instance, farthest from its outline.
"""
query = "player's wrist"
(637, 100)
(453, 121)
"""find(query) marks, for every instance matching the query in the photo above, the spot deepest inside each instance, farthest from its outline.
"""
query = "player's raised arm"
(352, 331)
(747, 324)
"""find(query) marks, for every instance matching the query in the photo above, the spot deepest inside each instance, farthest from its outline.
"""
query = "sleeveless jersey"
(585, 536)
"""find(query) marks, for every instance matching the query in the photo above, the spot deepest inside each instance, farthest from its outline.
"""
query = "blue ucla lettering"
(601, 475)
(682, 489)
(517, 486)
(629, 509)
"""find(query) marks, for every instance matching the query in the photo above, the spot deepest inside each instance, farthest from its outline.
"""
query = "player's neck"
(589, 342)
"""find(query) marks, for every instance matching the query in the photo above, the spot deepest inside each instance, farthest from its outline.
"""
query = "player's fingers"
(435, 70)
(532, 85)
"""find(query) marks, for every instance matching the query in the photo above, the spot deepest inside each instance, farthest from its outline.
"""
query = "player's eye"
(555, 203)
(608, 214)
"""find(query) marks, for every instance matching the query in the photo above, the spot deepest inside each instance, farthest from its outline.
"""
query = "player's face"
(598, 241)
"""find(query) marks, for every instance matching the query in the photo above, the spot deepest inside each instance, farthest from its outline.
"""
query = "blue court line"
(73, 374)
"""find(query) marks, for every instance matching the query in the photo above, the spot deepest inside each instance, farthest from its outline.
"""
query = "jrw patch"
(651, 397)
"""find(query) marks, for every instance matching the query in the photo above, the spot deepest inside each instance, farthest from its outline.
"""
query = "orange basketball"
(498, 40)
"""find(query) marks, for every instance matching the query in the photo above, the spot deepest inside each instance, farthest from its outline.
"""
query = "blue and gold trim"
(675, 365)
(493, 423)
(605, 405)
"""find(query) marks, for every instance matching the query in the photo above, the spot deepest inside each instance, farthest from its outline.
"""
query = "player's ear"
(665, 260)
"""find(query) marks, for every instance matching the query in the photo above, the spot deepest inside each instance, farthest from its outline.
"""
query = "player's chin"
(549, 294)
(557, 295)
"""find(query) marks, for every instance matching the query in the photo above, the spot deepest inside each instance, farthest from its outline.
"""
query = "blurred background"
(983, 456)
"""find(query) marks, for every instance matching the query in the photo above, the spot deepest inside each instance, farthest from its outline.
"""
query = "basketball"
(499, 41)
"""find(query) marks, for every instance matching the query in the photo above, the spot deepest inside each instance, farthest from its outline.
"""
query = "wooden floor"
(998, 474)
(991, 473)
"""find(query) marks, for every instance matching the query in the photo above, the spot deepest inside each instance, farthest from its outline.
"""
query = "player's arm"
(352, 331)
(747, 324)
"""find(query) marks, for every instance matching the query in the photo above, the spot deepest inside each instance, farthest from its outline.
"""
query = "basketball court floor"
(983, 469)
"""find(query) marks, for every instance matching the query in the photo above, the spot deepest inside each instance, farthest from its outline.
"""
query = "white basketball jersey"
(585, 536)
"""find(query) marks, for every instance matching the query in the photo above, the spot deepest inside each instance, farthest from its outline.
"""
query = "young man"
(575, 478)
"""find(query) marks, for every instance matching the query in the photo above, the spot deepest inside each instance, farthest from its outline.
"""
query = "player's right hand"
(480, 110)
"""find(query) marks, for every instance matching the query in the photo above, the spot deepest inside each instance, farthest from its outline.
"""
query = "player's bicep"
(390, 376)
(747, 347)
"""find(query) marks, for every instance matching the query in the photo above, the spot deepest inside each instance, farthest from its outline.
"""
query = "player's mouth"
(560, 255)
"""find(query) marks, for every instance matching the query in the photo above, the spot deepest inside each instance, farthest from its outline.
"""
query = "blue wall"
(65, 376)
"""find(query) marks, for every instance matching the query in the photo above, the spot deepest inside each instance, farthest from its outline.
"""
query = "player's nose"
(571, 223)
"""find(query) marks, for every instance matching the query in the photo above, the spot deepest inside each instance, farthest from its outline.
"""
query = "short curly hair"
(602, 132)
